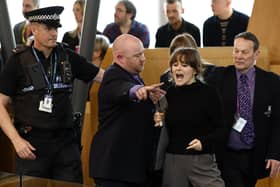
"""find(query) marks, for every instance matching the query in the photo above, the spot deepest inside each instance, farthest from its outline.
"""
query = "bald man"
(121, 150)
(221, 28)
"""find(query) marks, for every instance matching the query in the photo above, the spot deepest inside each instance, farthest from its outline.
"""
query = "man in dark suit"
(22, 30)
(121, 150)
(253, 147)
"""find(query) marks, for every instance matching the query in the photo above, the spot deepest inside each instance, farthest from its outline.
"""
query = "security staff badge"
(46, 104)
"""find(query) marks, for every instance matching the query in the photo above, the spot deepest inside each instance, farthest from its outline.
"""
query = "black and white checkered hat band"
(44, 17)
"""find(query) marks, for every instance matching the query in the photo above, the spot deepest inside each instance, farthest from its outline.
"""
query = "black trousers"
(57, 155)
(237, 169)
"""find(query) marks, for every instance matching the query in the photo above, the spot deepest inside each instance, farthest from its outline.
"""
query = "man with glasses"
(125, 23)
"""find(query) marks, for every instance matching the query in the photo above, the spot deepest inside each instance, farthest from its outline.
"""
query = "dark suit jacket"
(267, 127)
(121, 149)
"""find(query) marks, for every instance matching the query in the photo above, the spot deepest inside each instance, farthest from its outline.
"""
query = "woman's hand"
(158, 118)
(195, 144)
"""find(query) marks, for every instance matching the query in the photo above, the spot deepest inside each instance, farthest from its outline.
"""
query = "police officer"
(37, 80)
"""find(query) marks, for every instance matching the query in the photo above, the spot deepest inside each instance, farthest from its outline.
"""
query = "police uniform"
(41, 89)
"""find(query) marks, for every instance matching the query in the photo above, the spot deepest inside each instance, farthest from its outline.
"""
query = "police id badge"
(46, 104)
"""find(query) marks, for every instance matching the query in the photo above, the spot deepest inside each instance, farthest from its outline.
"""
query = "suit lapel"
(259, 91)
(230, 89)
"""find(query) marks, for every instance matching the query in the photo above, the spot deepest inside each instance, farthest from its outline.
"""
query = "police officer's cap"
(47, 15)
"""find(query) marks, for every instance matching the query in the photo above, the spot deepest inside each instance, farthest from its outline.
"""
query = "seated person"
(72, 38)
(100, 48)
(125, 23)
(221, 28)
(176, 25)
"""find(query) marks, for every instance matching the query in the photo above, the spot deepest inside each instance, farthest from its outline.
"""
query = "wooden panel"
(263, 183)
(275, 68)
(264, 22)
(157, 60)
(87, 134)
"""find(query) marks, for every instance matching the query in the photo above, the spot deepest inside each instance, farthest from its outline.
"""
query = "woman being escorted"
(194, 120)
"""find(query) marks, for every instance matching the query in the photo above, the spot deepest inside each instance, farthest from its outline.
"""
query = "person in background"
(38, 80)
(125, 23)
(221, 28)
(176, 25)
(252, 114)
(121, 150)
(72, 38)
(22, 30)
(194, 123)
(100, 48)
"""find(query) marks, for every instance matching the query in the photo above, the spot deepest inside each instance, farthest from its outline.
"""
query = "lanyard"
(52, 72)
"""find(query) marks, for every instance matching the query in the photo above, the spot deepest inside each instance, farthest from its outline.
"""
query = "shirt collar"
(250, 73)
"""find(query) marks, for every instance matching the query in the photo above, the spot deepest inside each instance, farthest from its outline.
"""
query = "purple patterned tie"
(138, 79)
(245, 110)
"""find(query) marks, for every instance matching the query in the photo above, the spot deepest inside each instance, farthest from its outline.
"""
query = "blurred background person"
(72, 38)
(100, 48)
(22, 30)
(125, 23)
(176, 25)
(221, 28)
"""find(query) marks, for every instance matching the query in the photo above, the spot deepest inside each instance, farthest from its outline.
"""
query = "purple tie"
(138, 79)
(245, 110)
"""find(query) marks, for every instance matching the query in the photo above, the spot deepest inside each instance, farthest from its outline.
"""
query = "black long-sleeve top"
(194, 111)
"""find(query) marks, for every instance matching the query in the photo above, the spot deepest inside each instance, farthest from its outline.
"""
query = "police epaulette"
(19, 49)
